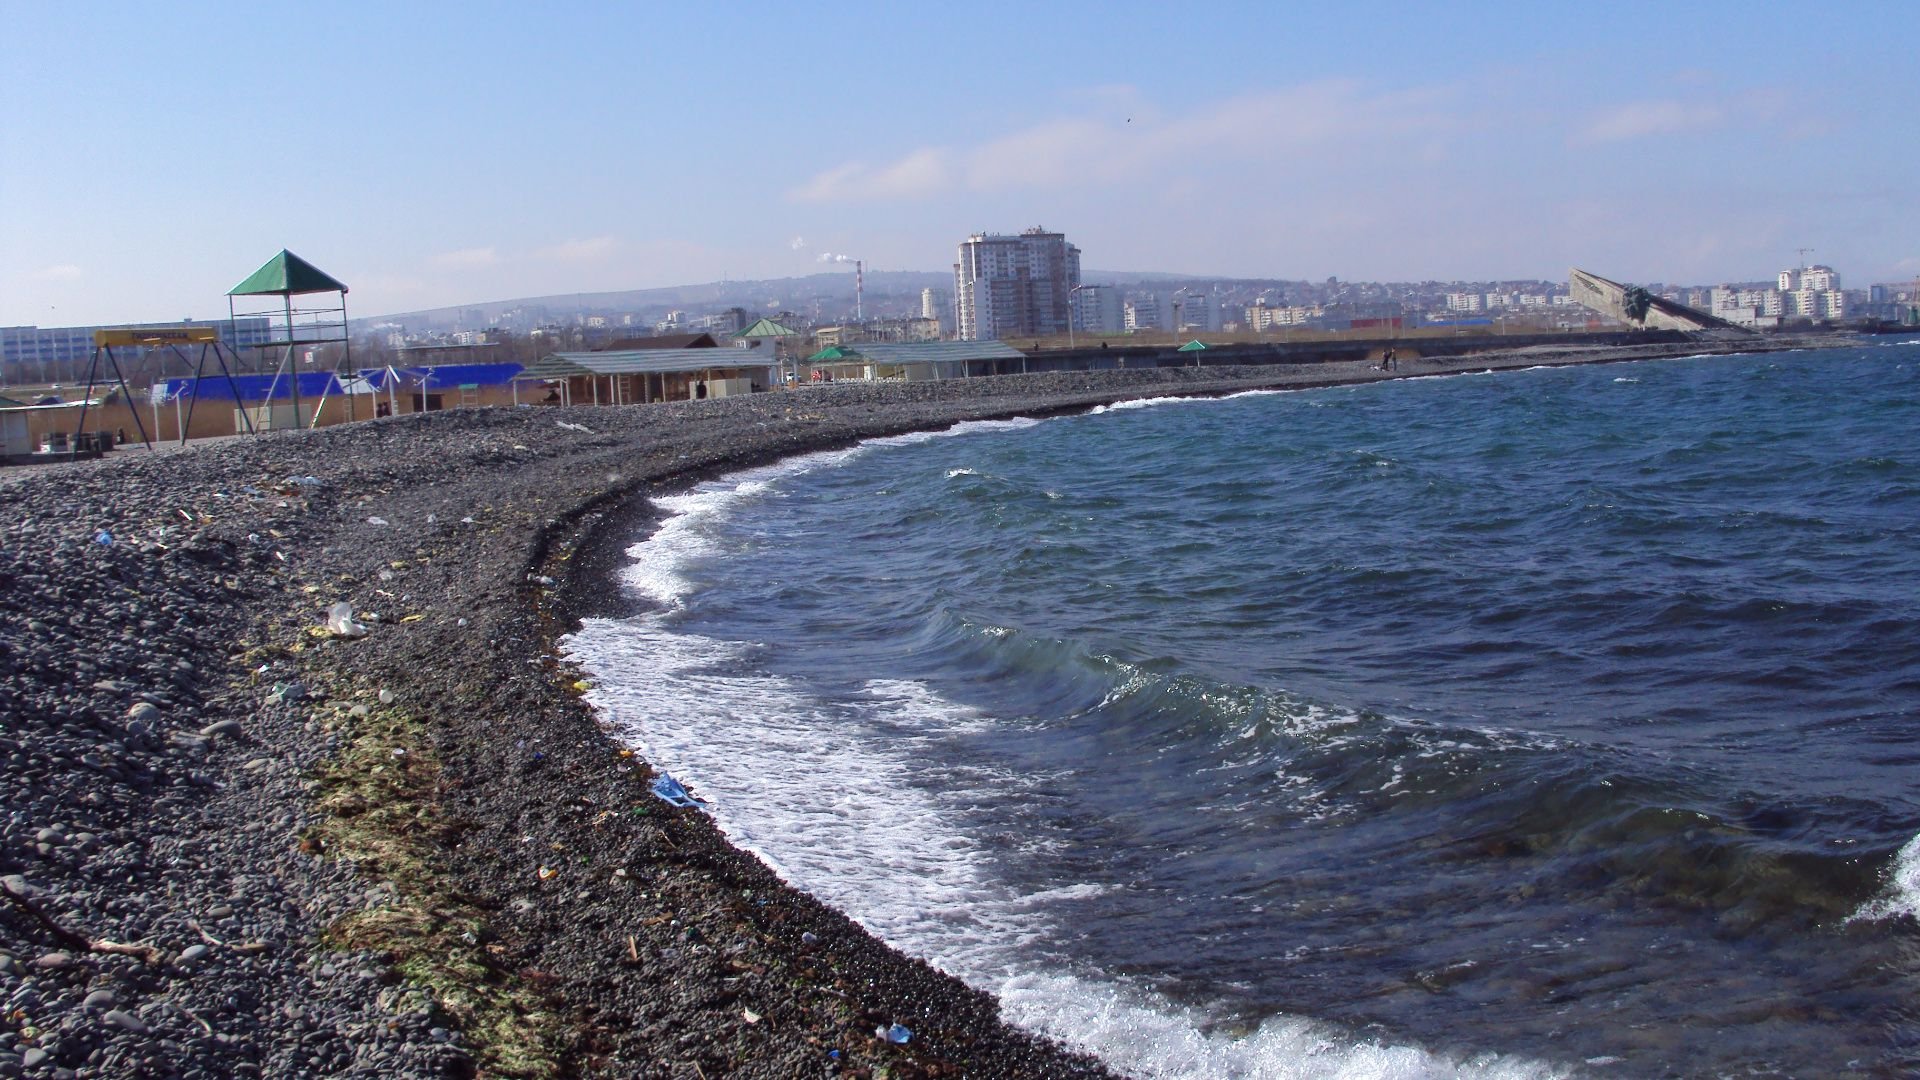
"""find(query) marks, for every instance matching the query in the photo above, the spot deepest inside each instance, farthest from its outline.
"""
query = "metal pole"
(291, 362)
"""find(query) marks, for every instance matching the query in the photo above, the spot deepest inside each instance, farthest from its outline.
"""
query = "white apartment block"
(1461, 301)
(1813, 278)
(1014, 286)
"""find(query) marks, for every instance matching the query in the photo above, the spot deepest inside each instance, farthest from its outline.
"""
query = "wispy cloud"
(1641, 119)
(597, 247)
(62, 272)
(466, 258)
(1106, 145)
(920, 174)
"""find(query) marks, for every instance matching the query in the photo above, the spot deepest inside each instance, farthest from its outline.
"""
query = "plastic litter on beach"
(669, 790)
(376, 521)
(574, 427)
(898, 1033)
(103, 538)
(341, 623)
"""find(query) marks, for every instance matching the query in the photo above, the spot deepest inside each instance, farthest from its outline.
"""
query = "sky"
(154, 155)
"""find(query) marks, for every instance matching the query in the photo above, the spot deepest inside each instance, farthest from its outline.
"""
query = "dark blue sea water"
(1554, 722)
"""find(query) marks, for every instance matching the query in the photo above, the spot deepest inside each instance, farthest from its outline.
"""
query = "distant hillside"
(828, 293)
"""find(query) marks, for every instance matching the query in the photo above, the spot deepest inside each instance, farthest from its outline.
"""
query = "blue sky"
(432, 154)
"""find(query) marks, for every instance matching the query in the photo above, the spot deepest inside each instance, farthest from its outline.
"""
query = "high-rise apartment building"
(1014, 286)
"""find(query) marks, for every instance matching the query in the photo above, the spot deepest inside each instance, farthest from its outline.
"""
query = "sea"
(1553, 722)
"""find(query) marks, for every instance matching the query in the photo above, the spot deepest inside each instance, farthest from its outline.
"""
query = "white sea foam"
(1145, 403)
(834, 796)
(1903, 889)
(685, 538)
(965, 427)
(1142, 1034)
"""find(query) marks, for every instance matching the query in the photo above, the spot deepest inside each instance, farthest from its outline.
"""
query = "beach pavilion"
(922, 361)
(635, 376)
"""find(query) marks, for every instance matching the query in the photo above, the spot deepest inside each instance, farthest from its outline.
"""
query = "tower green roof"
(287, 274)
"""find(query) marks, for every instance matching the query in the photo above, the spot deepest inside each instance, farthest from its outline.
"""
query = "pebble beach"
(237, 841)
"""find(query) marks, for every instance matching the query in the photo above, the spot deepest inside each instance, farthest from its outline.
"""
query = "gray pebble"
(101, 999)
(125, 1021)
(34, 1057)
(53, 961)
(228, 728)
(193, 954)
(143, 712)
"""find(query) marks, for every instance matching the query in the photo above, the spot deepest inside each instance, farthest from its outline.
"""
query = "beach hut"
(916, 361)
(836, 363)
(16, 435)
(637, 376)
(764, 330)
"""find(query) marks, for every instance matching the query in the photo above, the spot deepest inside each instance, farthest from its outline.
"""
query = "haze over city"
(432, 155)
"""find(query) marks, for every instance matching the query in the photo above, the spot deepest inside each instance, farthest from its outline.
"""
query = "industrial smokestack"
(859, 289)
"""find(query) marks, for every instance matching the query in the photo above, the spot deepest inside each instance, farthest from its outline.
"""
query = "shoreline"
(429, 859)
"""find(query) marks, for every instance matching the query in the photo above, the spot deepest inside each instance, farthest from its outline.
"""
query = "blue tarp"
(313, 384)
(445, 376)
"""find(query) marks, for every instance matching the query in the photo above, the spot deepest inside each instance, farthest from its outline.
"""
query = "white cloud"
(1108, 145)
(1640, 119)
(597, 247)
(62, 272)
(466, 258)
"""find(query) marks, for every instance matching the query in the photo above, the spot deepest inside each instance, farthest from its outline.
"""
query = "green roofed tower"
(314, 333)
(287, 274)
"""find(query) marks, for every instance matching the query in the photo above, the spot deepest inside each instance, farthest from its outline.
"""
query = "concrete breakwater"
(236, 843)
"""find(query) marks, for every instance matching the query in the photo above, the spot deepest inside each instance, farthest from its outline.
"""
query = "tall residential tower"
(1014, 286)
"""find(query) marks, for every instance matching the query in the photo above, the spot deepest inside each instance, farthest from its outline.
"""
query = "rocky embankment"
(239, 843)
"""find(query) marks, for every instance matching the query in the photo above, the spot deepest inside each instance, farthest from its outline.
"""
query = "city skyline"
(430, 158)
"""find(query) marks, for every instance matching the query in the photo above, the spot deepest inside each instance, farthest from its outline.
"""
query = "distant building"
(1197, 311)
(1261, 317)
(1142, 312)
(1099, 309)
(1014, 286)
(1466, 301)
(48, 354)
(1812, 292)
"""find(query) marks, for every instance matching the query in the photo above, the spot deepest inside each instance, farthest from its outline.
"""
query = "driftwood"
(77, 941)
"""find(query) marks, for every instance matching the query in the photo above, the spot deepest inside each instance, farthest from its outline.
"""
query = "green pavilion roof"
(287, 274)
(835, 352)
(766, 328)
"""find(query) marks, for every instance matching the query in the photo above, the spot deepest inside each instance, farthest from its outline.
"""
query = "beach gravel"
(234, 842)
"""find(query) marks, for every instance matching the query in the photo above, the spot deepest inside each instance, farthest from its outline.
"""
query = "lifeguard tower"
(302, 332)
